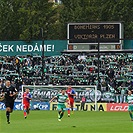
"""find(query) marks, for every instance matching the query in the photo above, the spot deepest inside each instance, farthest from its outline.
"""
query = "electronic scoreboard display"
(93, 33)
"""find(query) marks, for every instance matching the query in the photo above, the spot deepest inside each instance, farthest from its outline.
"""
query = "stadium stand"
(116, 70)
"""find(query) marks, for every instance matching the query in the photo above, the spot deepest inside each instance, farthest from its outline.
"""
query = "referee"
(9, 92)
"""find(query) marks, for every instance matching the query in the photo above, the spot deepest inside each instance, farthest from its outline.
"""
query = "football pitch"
(79, 122)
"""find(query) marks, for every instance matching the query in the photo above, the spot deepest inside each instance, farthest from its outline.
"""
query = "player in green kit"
(130, 104)
(61, 98)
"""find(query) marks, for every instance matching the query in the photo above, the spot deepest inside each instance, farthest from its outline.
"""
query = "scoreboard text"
(92, 33)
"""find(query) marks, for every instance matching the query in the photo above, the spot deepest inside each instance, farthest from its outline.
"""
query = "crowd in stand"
(112, 71)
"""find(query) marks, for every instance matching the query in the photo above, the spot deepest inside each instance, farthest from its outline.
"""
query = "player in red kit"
(71, 94)
(26, 102)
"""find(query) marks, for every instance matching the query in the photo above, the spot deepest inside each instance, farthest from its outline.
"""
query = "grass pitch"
(79, 122)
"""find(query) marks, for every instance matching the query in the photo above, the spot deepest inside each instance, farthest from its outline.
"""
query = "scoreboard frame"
(94, 33)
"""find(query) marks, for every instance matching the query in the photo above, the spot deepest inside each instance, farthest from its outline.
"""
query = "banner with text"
(117, 107)
(85, 107)
(51, 47)
(77, 106)
(33, 106)
(45, 93)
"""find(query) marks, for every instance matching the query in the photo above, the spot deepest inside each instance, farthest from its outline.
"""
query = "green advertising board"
(51, 47)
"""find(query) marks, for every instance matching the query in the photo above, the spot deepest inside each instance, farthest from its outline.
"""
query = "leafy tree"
(98, 10)
(24, 19)
(9, 28)
(116, 10)
(73, 11)
(34, 16)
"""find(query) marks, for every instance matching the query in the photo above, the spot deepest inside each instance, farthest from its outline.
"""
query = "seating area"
(115, 70)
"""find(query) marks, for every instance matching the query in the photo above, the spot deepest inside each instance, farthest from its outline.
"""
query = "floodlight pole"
(98, 84)
(98, 63)
(42, 55)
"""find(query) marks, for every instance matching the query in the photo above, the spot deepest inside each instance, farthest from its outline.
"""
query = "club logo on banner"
(2, 106)
(18, 106)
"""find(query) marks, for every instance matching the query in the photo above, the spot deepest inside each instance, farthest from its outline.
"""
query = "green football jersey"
(61, 98)
(130, 98)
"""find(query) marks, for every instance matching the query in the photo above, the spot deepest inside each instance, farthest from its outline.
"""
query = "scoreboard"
(90, 34)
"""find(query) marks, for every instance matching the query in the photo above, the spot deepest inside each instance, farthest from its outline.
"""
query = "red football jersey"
(69, 92)
(26, 97)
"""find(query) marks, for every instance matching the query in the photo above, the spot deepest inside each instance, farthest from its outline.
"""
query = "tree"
(98, 11)
(9, 28)
(74, 11)
(35, 14)
(24, 19)
(117, 10)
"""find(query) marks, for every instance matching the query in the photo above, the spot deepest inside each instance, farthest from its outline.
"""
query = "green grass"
(79, 122)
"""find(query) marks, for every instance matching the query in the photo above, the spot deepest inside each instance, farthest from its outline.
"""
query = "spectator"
(69, 69)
